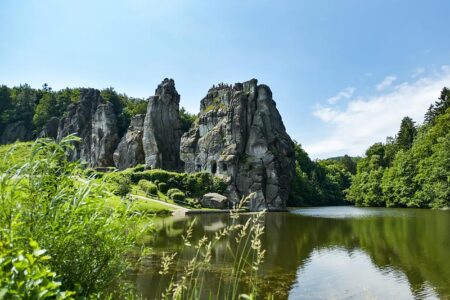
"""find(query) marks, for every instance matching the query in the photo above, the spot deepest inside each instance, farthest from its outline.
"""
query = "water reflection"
(337, 253)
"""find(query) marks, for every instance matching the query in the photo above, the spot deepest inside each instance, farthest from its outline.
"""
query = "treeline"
(321, 182)
(34, 107)
(413, 168)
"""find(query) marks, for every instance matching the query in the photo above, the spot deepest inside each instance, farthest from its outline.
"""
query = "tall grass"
(85, 230)
(244, 247)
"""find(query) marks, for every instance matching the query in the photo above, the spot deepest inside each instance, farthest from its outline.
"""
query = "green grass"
(150, 207)
(14, 154)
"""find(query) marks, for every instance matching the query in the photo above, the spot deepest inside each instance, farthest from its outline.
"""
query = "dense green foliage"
(34, 107)
(186, 119)
(149, 187)
(193, 184)
(319, 182)
(412, 169)
(49, 207)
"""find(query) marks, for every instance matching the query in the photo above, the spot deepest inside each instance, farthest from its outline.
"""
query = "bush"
(173, 191)
(118, 182)
(178, 196)
(139, 168)
(85, 230)
(24, 272)
(148, 187)
(162, 187)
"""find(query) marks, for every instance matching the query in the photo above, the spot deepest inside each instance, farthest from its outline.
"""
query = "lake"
(325, 253)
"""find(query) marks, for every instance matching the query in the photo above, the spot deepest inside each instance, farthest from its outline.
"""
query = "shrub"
(118, 182)
(162, 187)
(24, 272)
(148, 187)
(139, 168)
(85, 230)
(173, 191)
(178, 196)
(194, 184)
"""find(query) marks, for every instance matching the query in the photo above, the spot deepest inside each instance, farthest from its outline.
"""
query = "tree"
(5, 105)
(349, 164)
(406, 134)
(46, 109)
(186, 119)
(411, 171)
(439, 107)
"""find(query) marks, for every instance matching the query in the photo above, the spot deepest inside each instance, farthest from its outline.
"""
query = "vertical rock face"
(240, 136)
(95, 123)
(104, 136)
(17, 131)
(130, 151)
(50, 129)
(162, 130)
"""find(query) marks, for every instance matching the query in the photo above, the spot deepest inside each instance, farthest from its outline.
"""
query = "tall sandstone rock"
(240, 137)
(162, 128)
(130, 151)
(95, 122)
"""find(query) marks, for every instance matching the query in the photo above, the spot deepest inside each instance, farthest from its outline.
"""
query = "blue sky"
(343, 73)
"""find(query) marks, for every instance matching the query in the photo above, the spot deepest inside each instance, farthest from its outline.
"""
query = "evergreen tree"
(406, 134)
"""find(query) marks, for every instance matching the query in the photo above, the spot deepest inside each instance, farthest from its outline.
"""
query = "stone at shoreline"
(214, 200)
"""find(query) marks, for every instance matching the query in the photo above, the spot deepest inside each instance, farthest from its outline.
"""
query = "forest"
(411, 169)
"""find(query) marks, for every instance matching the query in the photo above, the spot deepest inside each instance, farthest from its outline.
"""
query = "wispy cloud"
(344, 94)
(417, 72)
(387, 82)
(367, 120)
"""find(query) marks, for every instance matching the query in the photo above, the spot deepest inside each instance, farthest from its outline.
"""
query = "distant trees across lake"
(413, 168)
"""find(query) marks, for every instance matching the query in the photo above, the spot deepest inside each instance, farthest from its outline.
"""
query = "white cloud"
(387, 82)
(417, 72)
(345, 94)
(365, 121)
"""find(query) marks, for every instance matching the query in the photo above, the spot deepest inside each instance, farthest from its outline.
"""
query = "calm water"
(328, 253)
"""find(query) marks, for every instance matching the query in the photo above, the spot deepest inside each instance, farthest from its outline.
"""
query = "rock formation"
(214, 200)
(240, 136)
(95, 123)
(50, 129)
(162, 128)
(17, 131)
(130, 151)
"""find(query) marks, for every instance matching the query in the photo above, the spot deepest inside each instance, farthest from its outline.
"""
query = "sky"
(343, 73)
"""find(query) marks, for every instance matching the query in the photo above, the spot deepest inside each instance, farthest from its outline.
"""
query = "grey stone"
(240, 137)
(130, 151)
(162, 128)
(50, 129)
(214, 200)
(17, 131)
(95, 122)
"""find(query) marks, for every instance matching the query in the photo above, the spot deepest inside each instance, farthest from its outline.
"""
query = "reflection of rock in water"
(215, 226)
(414, 245)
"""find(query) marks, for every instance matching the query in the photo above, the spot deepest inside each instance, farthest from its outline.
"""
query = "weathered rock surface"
(17, 131)
(104, 135)
(50, 129)
(130, 151)
(214, 200)
(162, 128)
(95, 122)
(240, 136)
